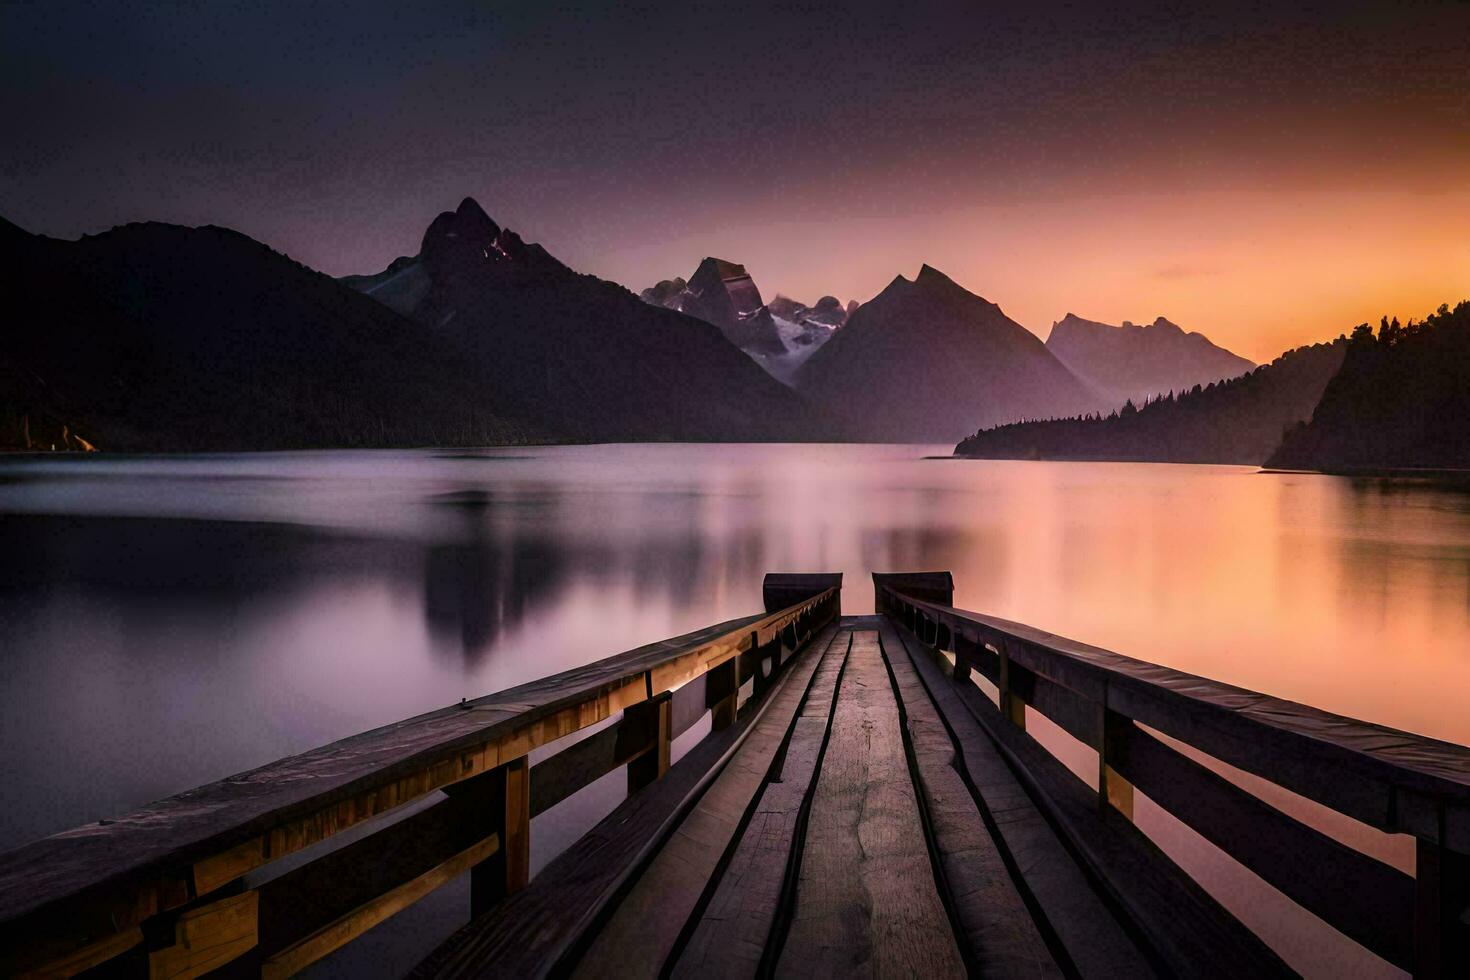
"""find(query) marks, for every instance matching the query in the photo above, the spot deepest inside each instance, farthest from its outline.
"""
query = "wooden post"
(722, 693)
(1442, 904)
(516, 844)
(964, 651)
(1012, 708)
(1112, 789)
(758, 658)
(655, 719)
(501, 801)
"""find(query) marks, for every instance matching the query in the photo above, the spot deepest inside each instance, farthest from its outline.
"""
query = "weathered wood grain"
(642, 931)
(1187, 932)
(734, 929)
(1003, 939)
(866, 900)
(1065, 899)
(207, 938)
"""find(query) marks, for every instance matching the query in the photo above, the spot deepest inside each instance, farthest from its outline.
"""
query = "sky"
(1268, 176)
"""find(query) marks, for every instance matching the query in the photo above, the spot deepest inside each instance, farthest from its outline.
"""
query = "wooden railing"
(1393, 781)
(163, 891)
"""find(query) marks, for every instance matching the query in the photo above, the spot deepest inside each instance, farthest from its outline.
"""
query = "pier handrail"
(167, 881)
(1393, 781)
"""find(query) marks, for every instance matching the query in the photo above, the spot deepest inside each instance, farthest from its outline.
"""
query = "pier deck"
(856, 826)
(863, 799)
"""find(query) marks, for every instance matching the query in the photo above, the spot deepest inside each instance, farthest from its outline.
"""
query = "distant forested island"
(1235, 421)
(1400, 401)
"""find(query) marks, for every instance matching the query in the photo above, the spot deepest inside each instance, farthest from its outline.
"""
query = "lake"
(165, 621)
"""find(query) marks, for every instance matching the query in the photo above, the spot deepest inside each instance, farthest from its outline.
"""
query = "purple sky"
(1234, 168)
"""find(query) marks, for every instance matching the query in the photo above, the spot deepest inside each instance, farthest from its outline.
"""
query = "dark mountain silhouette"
(154, 336)
(1401, 400)
(1235, 421)
(576, 354)
(779, 336)
(1137, 362)
(925, 361)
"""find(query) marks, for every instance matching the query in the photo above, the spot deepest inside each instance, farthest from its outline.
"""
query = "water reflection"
(165, 621)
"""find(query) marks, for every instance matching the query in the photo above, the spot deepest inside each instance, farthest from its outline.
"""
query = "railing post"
(654, 721)
(1442, 903)
(1012, 708)
(501, 800)
(964, 651)
(1112, 789)
(759, 677)
(722, 693)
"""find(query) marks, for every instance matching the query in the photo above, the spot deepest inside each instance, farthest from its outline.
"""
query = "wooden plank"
(1370, 902)
(642, 931)
(333, 889)
(733, 931)
(207, 938)
(539, 929)
(578, 765)
(866, 899)
(1187, 931)
(991, 913)
(690, 705)
(347, 927)
(1078, 922)
(1071, 712)
(62, 893)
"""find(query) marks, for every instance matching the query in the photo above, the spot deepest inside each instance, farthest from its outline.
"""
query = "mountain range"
(1236, 421)
(778, 336)
(159, 337)
(155, 336)
(580, 356)
(1132, 362)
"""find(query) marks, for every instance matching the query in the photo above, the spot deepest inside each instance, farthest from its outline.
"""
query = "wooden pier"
(865, 800)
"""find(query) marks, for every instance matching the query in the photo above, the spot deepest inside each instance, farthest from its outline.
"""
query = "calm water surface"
(167, 621)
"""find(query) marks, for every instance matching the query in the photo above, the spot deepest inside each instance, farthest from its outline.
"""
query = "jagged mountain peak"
(723, 268)
(928, 275)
